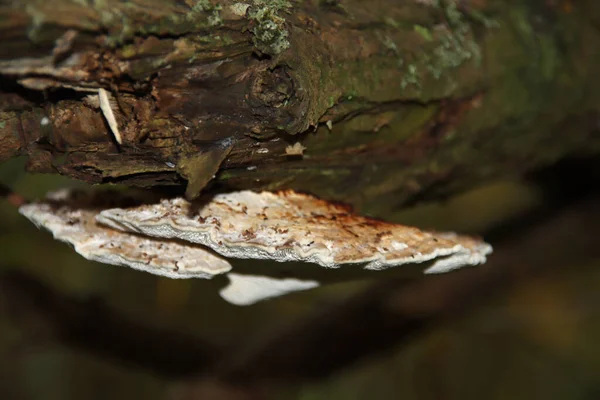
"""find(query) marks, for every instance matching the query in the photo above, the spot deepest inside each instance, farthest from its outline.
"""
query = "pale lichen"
(451, 44)
(239, 9)
(457, 45)
(270, 34)
(213, 11)
(411, 77)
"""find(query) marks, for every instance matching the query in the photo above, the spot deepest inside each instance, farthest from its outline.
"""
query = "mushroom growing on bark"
(180, 239)
(290, 226)
(70, 217)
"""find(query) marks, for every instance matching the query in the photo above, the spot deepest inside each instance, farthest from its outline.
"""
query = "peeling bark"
(394, 101)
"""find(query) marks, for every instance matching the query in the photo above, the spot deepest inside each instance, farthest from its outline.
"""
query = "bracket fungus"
(70, 217)
(178, 239)
(289, 226)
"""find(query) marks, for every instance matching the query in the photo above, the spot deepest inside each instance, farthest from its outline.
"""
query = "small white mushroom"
(289, 226)
(295, 150)
(244, 290)
(70, 216)
(107, 111)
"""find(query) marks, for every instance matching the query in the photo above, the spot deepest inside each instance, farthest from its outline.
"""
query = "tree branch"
(423, 98)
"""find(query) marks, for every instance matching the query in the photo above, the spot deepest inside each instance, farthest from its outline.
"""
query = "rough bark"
(394, 100)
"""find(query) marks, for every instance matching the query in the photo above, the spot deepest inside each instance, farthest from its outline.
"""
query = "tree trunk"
(393, 101)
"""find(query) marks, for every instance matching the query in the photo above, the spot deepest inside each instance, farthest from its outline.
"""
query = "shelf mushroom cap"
(178, 239)
(70, 217)
(289, 226)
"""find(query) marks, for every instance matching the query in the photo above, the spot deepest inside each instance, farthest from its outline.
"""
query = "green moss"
(129, 51)
(542, 46)
(202, 5)
(448, 46)
(454, 44)
(391, 22)
(483, 19)
(226, 39)
(424, 32)
(457, 46)
(450, 53)
(390, 44)
(411, 77)
(123, 26)
(205, 12)
(205, 7)
(270, 35)
(549, 57)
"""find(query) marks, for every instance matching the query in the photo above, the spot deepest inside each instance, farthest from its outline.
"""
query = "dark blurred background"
(523, 326)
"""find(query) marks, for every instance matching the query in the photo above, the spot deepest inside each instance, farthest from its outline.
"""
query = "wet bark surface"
(394, 102)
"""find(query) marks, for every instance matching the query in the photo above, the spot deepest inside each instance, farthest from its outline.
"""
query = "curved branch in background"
(93, 327)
